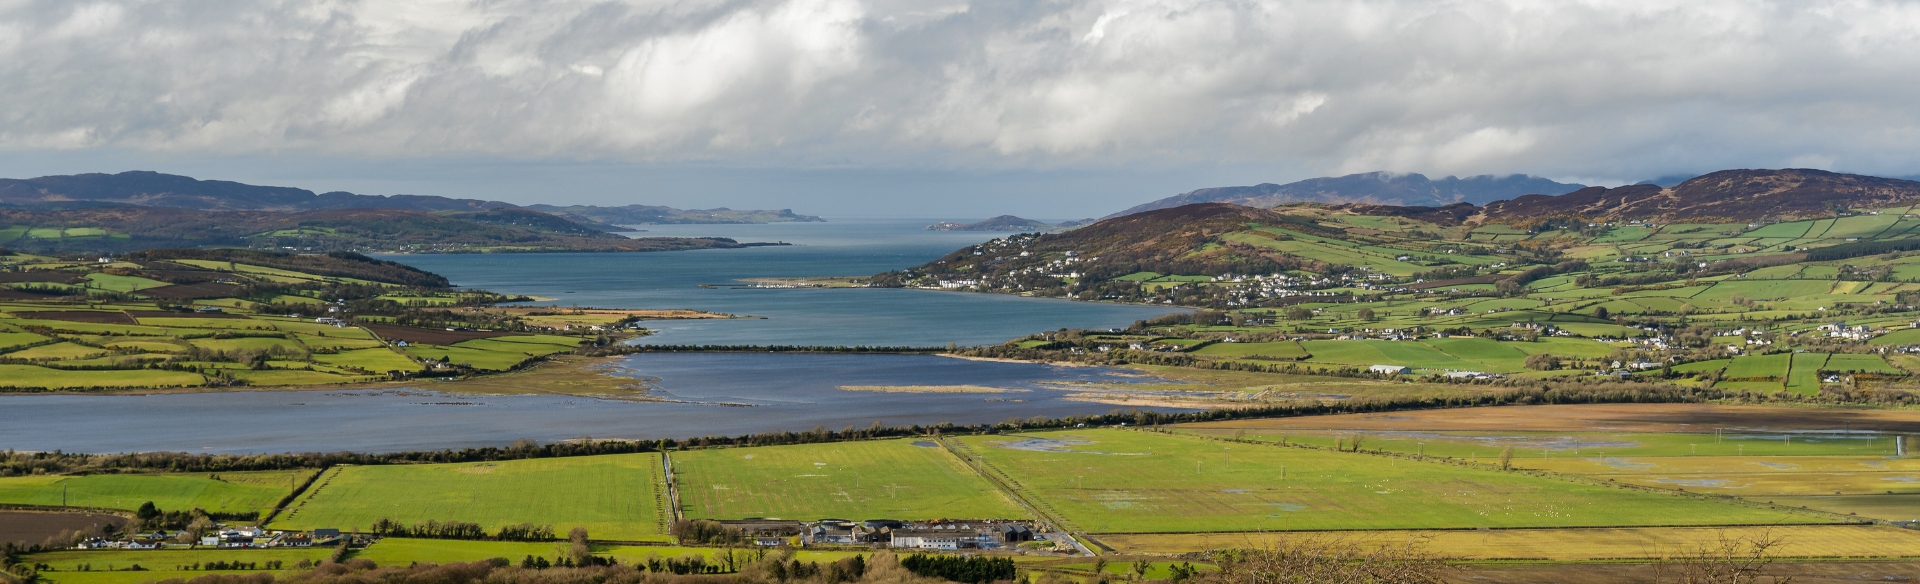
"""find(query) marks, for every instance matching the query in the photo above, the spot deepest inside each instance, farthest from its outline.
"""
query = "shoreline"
(1004, 360)
(570, 365)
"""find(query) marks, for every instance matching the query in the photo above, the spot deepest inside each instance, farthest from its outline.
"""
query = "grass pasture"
(402, 550)
(898, 479)
(1116, 481)
(481, 359)
(1570, 545)
(29, 376)
(1531, 447)
(616, 497)
(113, 566)
(377, 359)
(1760, 367)
(232, 493)
(1897, 507)
(1277, 350)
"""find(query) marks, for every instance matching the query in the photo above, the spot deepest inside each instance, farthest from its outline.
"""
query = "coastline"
(1003, 360)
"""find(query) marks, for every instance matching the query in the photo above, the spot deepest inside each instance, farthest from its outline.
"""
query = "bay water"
(709, 393)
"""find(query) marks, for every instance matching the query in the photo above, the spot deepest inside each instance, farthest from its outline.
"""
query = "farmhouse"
(942, 539)
(825, 533)
(766, 532)
(1390, 369)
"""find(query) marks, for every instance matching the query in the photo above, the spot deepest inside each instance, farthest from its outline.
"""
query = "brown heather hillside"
(1180, 240)
(1727, 195)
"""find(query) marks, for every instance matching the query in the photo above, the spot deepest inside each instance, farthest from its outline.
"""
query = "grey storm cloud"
(1566, 88)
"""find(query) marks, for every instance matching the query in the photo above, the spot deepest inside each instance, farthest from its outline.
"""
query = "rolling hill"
(1732, 195)
(1378, 188)
(123, 228)
(1222, 255)
(1001, 223)
(1108, 259)
(152, 189)
(140, 209)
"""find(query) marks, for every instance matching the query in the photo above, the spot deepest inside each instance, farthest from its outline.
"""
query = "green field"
(1280, 350)
(1852, 363)
(1534, 446)
(1128, 481)
(481, 359)
(401, 551)
(29, 376)
(616, 497)
(378, 360)
(1429, 355)
(896, 479)
(1759, 367)
(240, 492)
(114, 566)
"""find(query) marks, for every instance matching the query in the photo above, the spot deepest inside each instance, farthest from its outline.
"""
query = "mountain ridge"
(145, 188)
(1733, 195)
(663, 215)
(1379, 188)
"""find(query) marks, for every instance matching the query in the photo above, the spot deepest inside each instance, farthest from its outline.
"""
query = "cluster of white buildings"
(1840, 330)
(947, 535)
(232, 537)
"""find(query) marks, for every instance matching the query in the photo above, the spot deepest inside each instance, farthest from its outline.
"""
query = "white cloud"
(1568, 88)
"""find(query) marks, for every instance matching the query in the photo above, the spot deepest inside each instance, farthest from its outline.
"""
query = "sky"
(946, 108)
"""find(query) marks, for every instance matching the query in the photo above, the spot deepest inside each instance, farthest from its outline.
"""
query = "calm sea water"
(717, 393)
(721, 394)
(846, 316)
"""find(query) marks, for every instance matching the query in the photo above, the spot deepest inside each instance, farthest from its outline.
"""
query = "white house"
(1390, 369)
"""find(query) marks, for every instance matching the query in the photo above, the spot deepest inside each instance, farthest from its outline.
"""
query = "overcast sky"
(936, 108)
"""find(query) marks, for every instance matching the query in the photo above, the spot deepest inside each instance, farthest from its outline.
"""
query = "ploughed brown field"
(79, 316)
(37, 526)
(11, 294)
(428, 336)
(1598, 418)
(39, 276)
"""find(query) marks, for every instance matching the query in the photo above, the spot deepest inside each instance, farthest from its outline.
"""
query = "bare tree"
(580, 550)
(1726, 560)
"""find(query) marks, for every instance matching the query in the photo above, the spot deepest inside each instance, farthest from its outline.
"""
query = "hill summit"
(1377, 188)
(1731, 195)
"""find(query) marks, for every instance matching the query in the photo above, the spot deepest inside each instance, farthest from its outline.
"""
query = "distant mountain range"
(152, 189)
(1376, 188)
(1002, 223)
(141, 210)
(657, 215)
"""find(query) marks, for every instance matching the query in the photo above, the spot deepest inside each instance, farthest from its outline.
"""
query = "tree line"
(460, 530)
